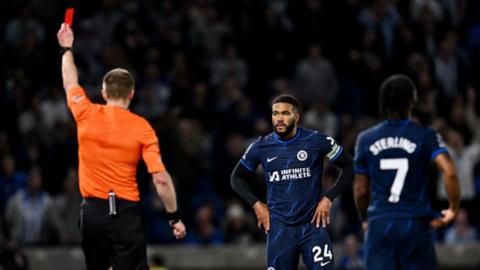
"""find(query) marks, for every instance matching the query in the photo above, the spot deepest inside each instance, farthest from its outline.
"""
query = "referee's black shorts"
(118, 240)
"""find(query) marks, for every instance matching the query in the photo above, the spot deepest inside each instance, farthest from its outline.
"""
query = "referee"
(111, 141)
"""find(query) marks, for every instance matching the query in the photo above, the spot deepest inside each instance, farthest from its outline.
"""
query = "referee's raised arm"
(69, 70)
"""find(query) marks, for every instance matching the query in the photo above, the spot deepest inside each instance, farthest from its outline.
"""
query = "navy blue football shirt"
(396, 156)
(293, 172)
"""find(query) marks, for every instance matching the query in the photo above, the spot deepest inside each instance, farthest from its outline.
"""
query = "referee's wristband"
(64, 50)
(173, 217)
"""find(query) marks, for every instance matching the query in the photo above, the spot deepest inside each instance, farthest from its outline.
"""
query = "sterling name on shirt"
(290, 174)
(391, 143)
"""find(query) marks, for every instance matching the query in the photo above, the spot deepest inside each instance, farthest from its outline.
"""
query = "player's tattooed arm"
(361, 191)
(69, 70)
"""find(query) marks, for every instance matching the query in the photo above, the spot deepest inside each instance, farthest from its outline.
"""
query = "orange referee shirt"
(111, 141)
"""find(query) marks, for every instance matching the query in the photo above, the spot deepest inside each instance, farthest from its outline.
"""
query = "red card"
(69, 16)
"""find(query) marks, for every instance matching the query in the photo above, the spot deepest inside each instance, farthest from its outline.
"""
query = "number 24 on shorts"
(319, 257)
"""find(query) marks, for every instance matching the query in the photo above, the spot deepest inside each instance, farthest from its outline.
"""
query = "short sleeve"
(360, 162)
(151, 150)
(435, 144)
(78, 103)
(333, 150)
(250, 158)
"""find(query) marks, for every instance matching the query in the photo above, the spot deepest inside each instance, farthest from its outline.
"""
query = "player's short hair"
(397, 93)
(118, 83)
(288, 99)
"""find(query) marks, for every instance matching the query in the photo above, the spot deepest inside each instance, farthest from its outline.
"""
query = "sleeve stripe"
(336, 154)
(438, 152)
(246, 165)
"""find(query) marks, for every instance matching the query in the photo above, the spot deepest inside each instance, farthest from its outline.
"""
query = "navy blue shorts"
(400, 244)
(285, 244)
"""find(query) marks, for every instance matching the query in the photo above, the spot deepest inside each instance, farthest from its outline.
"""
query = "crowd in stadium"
(205, 73)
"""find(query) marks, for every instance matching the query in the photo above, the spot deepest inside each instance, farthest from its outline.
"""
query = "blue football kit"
(293, 173)
(396, 155)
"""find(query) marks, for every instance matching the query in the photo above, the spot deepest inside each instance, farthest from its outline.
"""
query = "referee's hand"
(65, 36)
(179, 230)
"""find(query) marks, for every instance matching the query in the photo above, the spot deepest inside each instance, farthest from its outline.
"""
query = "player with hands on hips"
(297, 210)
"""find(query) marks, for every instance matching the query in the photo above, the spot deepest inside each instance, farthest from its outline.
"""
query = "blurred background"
(205, 73)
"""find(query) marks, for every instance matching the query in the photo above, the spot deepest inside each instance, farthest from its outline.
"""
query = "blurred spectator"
(28, 213)
(353, 258)
(180, 78)
(208, 28)
(193, 143)
(457, 118)
(229, 67)
(206, 231)
(228, 157)
(261, 127)
(200, 105)
(315, 78)
(31, 122)
(227, 95)
(368, 68)
(319, 117)
(461, 232)
(427, 24)
(18, 29)
(381, 16)
(54, 109)
(108, 16)
(11, 181)
(418, 8)
(65, 209)
(240, 228)
(448, 67)
(154, 93)
(465, 157)
(427, 92)
(472, 119)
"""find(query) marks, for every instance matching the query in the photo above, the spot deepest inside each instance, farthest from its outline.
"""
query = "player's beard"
(288, 129)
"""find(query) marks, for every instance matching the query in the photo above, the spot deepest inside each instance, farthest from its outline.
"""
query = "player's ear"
(131, 94)
(104, 94)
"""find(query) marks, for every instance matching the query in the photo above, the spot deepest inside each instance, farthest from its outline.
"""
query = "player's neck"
(396, 117)
(121, 103)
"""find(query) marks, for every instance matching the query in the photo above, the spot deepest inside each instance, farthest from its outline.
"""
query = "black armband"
(173, 217)
(64, 50)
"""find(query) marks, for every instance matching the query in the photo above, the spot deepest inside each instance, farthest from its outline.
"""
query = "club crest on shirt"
(302, 155)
